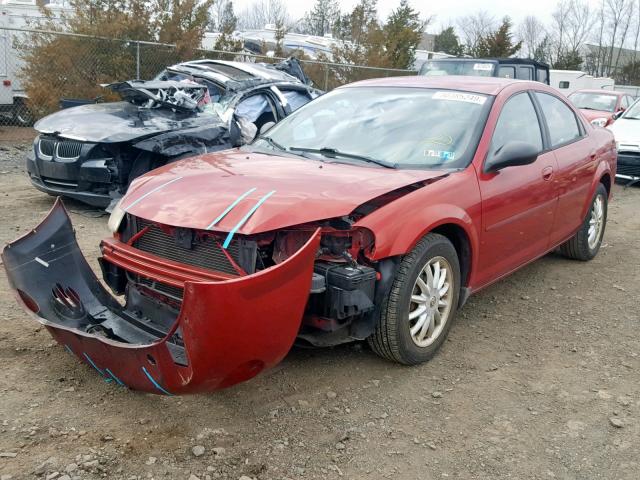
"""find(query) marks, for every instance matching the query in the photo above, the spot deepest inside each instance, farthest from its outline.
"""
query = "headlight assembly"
(115, 220)
(599, 122)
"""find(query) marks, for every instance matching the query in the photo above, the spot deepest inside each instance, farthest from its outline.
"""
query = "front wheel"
(584, 245)
(419, 310)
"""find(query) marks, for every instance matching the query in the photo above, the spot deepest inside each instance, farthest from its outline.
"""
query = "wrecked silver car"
(92, 152)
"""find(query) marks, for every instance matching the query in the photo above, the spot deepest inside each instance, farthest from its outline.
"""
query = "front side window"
(594, 101)
(517, 122)
(562, 122)
(399, 127)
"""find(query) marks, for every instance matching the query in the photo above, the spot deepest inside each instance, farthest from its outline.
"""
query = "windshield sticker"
(440, 140)
(484, 67)
(441, 154)
(460, 97)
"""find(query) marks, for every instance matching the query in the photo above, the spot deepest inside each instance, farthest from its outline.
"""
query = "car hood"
(593, 114)
(119, 122)
(626, 132)
(254, 193)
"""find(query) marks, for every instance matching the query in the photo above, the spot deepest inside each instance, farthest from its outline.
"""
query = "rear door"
(575, 154)
(518, 203)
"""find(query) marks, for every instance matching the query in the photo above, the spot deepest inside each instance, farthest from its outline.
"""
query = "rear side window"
(562, 122)
(507, 72)
(517, 122)
(525, 73)
(542, 76)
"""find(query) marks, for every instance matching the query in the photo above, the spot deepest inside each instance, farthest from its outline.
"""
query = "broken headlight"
(115, 220)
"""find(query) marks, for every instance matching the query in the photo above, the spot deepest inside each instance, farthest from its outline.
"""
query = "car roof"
(606, 92)
(229, 71)
(482, 85)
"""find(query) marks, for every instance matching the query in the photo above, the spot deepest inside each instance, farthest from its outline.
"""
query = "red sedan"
(601, 107)
(371, 213)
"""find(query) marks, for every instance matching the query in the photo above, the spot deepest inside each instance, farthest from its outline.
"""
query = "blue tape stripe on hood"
(244, 219)
(151, 191)
(230, 207)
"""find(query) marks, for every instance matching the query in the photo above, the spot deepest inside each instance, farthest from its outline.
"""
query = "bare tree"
(619, 13)
(264, 12)
(559, 28)
(531, 33)
(475, 27)
(580, 20)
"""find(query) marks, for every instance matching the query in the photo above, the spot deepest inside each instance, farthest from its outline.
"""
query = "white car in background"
(626, 130)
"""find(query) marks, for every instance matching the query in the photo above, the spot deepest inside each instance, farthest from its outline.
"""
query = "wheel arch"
(602, 176)
(461, 242)
(605, 179)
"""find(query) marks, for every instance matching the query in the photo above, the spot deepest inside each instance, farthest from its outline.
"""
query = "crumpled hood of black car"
(119, 122)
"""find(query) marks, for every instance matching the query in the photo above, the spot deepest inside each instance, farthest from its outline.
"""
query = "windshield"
(389, 126)
(594, 101)
(633, 112)
(457, 67)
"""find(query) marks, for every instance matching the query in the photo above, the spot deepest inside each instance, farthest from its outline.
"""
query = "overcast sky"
(444, 11)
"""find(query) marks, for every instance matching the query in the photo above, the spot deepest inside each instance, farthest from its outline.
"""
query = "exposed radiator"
(204, 253)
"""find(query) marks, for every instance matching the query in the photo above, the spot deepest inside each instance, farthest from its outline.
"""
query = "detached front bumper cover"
(232, 329)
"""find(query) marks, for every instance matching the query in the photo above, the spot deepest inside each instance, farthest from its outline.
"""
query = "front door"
(518, 203)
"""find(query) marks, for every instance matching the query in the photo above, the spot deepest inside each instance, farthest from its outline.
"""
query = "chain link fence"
(43, 71)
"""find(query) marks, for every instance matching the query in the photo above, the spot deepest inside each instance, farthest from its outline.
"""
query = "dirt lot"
(540, 379)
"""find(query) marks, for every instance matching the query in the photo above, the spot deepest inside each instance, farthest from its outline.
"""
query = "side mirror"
(618, 114)
(512, 154)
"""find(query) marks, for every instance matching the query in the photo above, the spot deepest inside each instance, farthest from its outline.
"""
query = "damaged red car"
(373, 212)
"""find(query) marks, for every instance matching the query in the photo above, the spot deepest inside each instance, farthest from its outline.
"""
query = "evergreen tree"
(227, 25)
(403, 33)
(447, 41)
(322, 17)
(568, 61)
(499, 43)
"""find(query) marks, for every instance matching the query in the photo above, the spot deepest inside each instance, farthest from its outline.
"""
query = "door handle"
(547, 173)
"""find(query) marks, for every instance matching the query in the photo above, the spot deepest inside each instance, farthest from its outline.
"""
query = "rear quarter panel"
(606, 160)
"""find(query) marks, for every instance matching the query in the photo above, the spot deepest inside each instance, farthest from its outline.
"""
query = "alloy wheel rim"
(431, 301)
(596, 222)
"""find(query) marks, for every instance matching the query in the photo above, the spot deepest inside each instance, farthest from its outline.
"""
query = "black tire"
(577, 247)
(392, 338)
(22, 115)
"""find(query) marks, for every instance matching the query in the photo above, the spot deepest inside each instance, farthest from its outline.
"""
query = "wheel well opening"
(606, 181)
(458, 237)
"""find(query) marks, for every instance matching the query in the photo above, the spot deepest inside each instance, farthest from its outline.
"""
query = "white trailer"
(568, 81)
(17, 14)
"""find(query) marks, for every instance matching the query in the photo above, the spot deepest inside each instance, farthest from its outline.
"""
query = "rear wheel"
(584, 245)
(22, 115)
(420, 308)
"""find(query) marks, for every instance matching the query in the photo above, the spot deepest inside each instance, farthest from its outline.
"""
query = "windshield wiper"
(273, 143)
(334, 153)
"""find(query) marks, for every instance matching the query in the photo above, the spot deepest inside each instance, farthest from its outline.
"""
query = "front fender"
(231, 329)
(400, 225)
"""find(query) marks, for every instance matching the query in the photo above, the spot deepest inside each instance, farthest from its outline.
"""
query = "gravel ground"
(540, 379)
